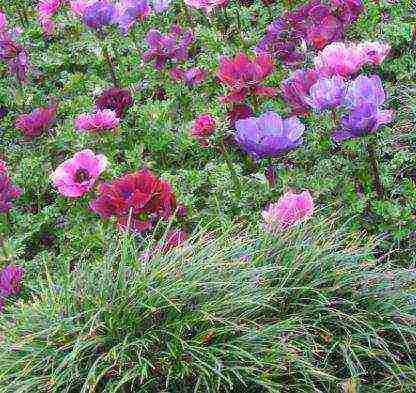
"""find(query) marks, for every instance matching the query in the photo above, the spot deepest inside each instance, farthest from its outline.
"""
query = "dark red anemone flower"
(244, 76)
(137, 200)
(116, 99)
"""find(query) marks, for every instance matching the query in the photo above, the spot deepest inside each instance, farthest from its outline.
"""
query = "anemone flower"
(268, 135)
(8, 193)
(203, 128)
(191, 77)
(244, 76)
(36, 123)
(10, 280)
(326, 93)
(364, 89)
(239, 112)
(77, 176)
(100, 14)
(375, 52)
(115, 99)
(289, 211)
(98, 122)
(131, 11)
(137, 200)
(46, 10)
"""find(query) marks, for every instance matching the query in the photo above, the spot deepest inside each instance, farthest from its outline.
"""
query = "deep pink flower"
(100, 121)
(245, 77)
(203, 128)
(116, 99)
(340, 59)
(10, 280)
(137, 200)
(37, 122)
(77, 176)
(239, 112)
(290, 210)
(297, 87)
(375, 52)
(192, 77)
(3, 167)
(3, 20)
(8, 193)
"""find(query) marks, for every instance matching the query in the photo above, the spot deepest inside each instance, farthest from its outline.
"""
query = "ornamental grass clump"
(241, 311)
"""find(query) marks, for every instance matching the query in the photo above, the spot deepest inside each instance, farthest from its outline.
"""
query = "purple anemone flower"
(326, 93)
(192, 77)
(172, 47)
(364, 89)
(8, 193)
(364, 119)
(130, 12)
(10, 280)
(268, 135)
(102, 13)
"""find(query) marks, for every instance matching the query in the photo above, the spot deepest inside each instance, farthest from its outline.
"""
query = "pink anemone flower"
(100, 121)
(375, 52)
(290, 210)
(76, 176)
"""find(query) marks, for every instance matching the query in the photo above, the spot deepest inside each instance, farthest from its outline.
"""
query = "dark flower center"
(81, 175)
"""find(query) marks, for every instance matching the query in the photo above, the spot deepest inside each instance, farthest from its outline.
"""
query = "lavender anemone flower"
(131, 11)
(364, 89)
(268, 135)
(172, 47)
(326, 93)
(100, 14)
(364, 119)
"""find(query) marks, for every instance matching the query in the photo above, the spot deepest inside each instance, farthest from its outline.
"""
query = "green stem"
(374, 168)
(110, 63)
(236, 181)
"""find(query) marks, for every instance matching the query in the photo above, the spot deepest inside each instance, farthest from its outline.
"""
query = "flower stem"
(374, 168)
(109, 62)
(236, 181)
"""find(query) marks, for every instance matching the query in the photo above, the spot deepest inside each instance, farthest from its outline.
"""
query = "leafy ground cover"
(182, 129)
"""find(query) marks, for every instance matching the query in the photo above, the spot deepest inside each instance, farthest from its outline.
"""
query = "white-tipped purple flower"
(268, 135)
(326, 93)
(364, 89)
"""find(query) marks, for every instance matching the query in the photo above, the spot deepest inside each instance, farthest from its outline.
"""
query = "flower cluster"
(137, 200)
(268, 135)
(76, 176)
(46, 10)
(317, 23)
(244, 76)
(36, 123)
(172, 48)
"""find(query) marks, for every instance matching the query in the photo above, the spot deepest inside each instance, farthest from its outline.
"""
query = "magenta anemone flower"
(238, 112)
(37, 122)
(46, 10)
(8, 193)
(130, 11)
(137, 200)
(244, 76)
(203, 128)
(339, 59)
(10, 280)
(172, 47)
(98, 122)
(192, 77)
(289, 211)
(296, 88)
(115, 99)
(326, 93)
(76, 176)
(268, 135)
(374, 52)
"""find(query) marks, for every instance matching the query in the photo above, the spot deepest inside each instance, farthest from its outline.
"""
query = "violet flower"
(364, 89)
(268, 135)
(99, 15)
(326, 93)
(130, 11)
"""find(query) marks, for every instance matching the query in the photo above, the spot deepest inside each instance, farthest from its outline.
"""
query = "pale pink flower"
(3, 167)
(206, 5)
(374, 52)
(76, 176)
(100, 121)
(340, 59)
(290, 210)
(79, 6)
(3, 20)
